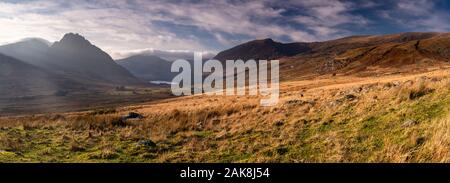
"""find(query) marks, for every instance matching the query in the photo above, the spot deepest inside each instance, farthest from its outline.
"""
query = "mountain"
(148, 67)
(354, 55)
(369, 55)
(19, 79)
(390, 52)
(33, 51)
(265, 49)
(74, 57)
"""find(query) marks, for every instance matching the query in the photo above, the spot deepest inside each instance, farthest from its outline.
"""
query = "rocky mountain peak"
(73, 39)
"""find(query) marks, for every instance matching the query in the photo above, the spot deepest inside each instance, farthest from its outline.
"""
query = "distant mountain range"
(36, 67)
(148, 67)
(73, 57)
(360, 55)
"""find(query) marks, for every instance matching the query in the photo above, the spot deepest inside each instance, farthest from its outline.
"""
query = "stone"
(132, 115)
(409, 123)
(350, 97)
(147, 143)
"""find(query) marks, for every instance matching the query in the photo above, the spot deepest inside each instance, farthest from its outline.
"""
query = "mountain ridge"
(354, 55)
(72, 56)
(20, 79)
(263, 49)
(148, 67)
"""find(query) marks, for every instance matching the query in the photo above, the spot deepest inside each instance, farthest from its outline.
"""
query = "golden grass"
(396, 118)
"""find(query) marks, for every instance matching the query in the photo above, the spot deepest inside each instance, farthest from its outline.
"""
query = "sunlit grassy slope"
(395, 118)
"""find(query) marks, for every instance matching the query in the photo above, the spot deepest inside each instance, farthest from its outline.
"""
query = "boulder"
(133, 115)
(147, 143)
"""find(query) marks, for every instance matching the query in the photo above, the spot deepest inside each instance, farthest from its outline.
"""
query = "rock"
(340, 101)
(199, 126)
(301, 102)
(133, 115)
(335, 103)
(409, 123)
(147, 143)
(350, 97)
(293, 101)
(357, 90)
(369, 87)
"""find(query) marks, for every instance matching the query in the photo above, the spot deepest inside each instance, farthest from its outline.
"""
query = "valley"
(396, 118)
(379, 98)
(80, 101)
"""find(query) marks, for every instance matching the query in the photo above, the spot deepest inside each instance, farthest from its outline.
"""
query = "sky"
(126, 27)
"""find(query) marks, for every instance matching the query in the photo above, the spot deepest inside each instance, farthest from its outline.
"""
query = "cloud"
(112, 29)
(243, 18)
(415, 7)
(170, 55)
(121, 26)
(325, 17)
(418, 15)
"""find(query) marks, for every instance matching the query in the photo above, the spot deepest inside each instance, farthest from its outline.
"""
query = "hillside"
(31, 51)
(348, 119)
(265, 49)
(360, 55)
(372, 55)
(19, 79)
